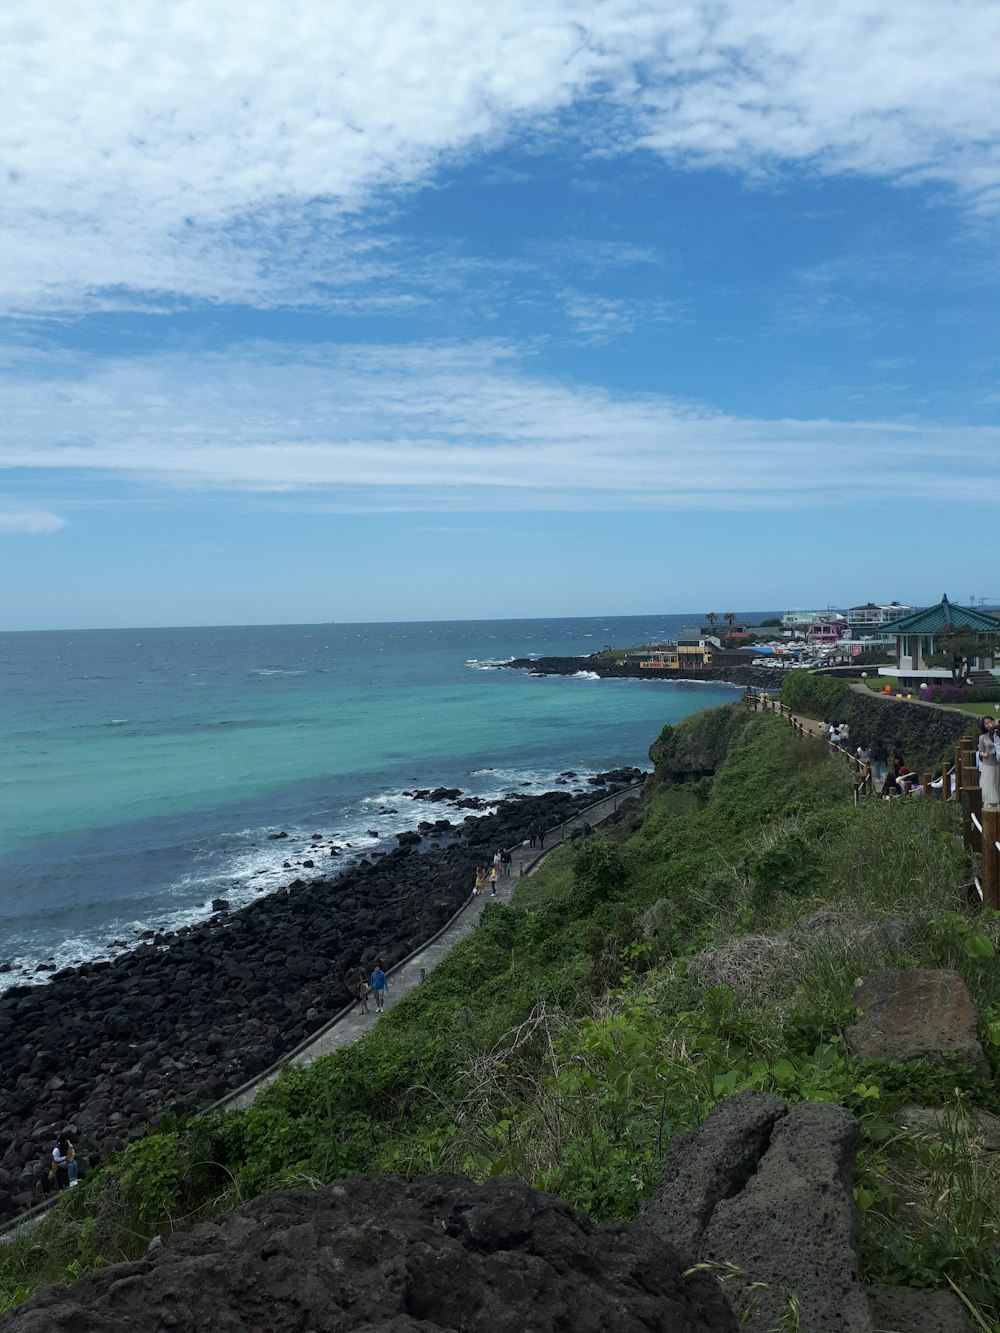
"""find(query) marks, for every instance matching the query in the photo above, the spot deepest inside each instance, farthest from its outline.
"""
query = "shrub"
(815, 696)
(960, 694)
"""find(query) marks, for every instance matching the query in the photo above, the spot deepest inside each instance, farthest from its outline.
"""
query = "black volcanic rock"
(129, 1037)
(377, 1254)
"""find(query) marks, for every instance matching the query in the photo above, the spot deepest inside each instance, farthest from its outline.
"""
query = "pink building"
(826, 632)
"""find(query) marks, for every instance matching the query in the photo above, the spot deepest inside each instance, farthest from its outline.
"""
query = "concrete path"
(349, 1025)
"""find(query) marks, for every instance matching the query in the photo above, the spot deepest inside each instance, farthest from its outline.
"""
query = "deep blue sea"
(142, 770)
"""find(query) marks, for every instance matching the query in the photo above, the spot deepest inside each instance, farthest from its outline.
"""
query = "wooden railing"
(959, 782)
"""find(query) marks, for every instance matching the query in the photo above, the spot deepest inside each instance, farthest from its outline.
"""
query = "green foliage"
(578, 1029)
(820, 697)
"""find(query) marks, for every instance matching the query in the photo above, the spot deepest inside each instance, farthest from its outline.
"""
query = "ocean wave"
(275, 671)
(487, 663)
(585, 675)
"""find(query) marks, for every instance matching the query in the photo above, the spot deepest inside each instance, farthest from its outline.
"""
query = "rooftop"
(934, 618)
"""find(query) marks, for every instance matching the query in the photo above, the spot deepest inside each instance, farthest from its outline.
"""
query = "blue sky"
(476, 310)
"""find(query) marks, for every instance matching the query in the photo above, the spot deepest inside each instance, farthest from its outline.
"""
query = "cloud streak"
(442, 427)
(30, 522)
(206, 153)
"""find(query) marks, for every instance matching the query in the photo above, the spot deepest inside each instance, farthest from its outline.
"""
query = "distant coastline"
(598, 664)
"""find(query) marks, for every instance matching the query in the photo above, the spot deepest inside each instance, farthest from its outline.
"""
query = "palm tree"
(729, 618)
(711, 618)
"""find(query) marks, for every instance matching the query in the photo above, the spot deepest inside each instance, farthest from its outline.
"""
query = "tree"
(711, 618)
(729, 618)
(956, 647)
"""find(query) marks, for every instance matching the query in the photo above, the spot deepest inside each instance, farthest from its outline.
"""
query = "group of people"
(375, 986)
(838, 733)
(889, 768)
(500, 869)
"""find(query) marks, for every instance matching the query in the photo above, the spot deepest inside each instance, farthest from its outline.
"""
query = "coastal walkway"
(348, 1025)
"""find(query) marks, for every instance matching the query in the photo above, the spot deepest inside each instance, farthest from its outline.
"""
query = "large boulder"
(916, 1014)
(902, 1310)
(374, 1253)
(765, 1194)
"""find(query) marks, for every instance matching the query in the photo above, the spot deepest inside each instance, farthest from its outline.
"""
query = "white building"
(877, 613)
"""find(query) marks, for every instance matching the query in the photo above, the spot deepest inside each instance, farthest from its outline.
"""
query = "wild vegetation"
(707, 943)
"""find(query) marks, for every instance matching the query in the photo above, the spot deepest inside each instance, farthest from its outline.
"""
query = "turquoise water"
(142, 770)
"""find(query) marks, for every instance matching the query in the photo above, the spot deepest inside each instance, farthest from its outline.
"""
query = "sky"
(314, 311)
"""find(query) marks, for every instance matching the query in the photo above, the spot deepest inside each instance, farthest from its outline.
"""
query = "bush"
(960, 694)
(815, 696)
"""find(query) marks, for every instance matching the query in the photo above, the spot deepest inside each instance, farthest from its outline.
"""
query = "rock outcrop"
(916, 1014)
(373, 1254)
(764, 1195)
(753, 1226)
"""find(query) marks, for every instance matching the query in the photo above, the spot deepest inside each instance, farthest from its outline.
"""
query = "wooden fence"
(958, 782)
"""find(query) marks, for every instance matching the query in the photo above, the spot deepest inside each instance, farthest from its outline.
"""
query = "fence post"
(990, 866)
(990, 870)
(972, 802)
(925, 782)
(958, 770)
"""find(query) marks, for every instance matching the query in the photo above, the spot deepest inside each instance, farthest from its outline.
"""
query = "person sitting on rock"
(64, 1164)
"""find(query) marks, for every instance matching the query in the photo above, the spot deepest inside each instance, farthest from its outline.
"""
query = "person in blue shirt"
(379, 985)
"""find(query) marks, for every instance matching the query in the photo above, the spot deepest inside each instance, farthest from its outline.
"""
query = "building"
(802, 619)
(876, 614)
(660, 659)
(826, 631)
(919, 636)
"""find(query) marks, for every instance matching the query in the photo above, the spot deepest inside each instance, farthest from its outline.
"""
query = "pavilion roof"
(934, 618)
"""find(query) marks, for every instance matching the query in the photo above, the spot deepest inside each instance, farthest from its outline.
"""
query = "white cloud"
(446, 428)
(212, 151)
(30, 521)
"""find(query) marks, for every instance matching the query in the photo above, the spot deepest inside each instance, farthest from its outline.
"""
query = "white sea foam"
(254, 864)
(585, 675)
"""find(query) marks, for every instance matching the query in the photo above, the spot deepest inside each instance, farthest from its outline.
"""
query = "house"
(826, 631)
(695, 648)
(922, 634)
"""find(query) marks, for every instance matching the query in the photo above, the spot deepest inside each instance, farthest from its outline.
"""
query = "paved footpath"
(349, 1025)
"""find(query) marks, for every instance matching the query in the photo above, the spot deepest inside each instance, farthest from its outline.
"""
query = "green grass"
(708, 944)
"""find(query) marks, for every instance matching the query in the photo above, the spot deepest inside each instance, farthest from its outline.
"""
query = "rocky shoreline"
(760, 677)
(105, 1047)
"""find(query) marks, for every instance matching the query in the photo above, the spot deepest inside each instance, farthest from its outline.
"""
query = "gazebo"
(915, 642)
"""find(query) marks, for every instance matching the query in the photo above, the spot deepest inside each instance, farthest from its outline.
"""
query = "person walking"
(541, 836)
(493, 881)
(361, 992)
(506, 859)
(532, 835)
(480, 880)
(986, 752)
(379, 985)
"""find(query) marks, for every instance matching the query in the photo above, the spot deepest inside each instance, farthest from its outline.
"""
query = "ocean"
(142, 771)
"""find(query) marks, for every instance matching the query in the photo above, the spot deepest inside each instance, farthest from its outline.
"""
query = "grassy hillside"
(706, 945)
